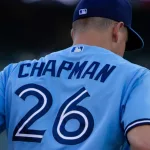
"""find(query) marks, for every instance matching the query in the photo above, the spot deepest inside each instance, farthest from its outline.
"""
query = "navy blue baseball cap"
(117, 10)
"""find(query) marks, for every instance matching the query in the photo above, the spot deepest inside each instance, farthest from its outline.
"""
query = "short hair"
(99, 23)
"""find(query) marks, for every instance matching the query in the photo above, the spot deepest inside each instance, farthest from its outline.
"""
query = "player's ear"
(72, 33)
(116, 31)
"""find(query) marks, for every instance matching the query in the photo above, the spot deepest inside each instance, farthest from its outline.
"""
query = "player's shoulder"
(9, 69)
(123, 66)
(14, 67)
(131, 72)
(132, 68)
(6, 72)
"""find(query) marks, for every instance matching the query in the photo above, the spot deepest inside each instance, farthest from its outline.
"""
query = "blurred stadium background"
(33, 28)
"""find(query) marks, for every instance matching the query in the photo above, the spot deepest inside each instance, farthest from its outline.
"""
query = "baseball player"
(85, 97)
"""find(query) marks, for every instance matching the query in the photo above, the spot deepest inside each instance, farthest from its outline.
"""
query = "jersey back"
(67, 100)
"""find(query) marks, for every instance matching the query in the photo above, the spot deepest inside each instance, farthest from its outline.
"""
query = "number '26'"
(69, 110)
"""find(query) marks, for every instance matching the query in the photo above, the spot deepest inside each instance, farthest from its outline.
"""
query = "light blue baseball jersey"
(125, 146)
(80, 98)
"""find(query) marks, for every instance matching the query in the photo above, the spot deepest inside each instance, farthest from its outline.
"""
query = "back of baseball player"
(85, 97)
(72, 99)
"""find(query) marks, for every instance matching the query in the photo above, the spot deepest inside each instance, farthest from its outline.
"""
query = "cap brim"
(135, 42)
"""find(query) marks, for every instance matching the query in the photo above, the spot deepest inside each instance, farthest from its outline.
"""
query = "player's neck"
(94, 40)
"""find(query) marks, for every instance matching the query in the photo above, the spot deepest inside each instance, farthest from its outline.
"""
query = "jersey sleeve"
(125, 146)
(4, 75)
(136, 110)
(2, 103)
